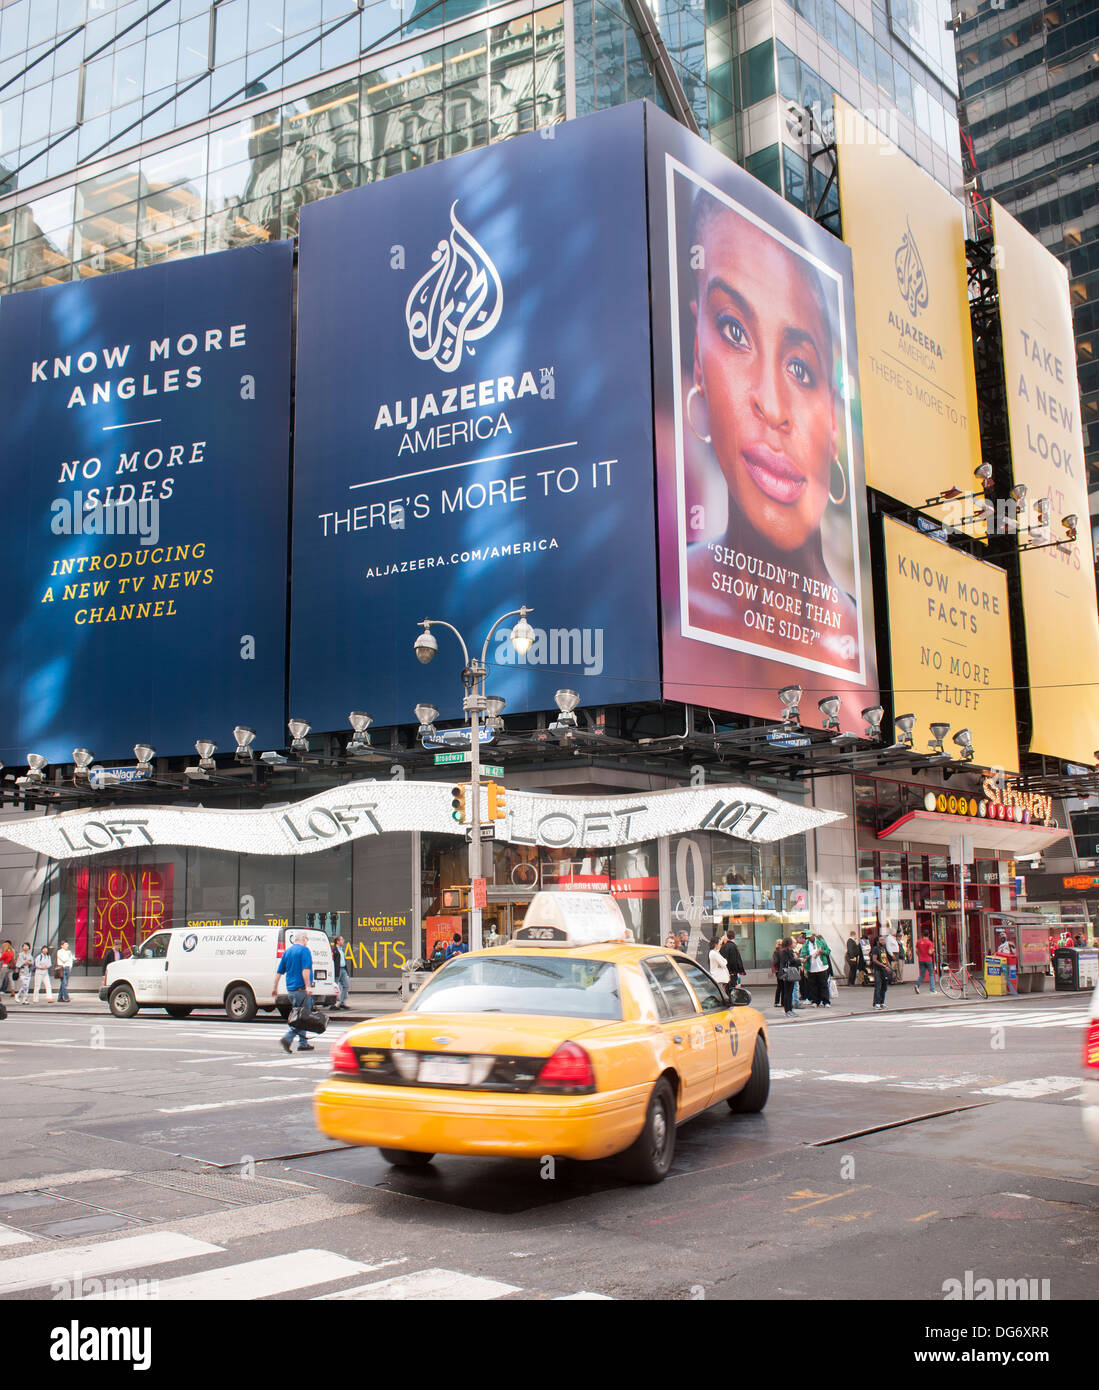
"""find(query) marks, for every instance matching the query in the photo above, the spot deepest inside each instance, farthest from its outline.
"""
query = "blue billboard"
(473, 428)
(145, 477)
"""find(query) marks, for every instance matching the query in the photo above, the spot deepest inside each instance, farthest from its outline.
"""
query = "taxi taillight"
(1091, 1046)
(569, 1069)
(343, 1057)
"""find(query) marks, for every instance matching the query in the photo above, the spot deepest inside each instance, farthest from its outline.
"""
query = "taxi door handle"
(678, 1038)
(719, 1028)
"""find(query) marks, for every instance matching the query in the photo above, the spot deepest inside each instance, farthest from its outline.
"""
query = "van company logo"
(911, 278)
(456, 303)
(190, 942)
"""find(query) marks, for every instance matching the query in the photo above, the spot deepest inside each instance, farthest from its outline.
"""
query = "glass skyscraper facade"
(1030, 86)
(140, 132)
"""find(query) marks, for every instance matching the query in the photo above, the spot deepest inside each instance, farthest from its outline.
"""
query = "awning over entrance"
(356, 809)
(1019, 840)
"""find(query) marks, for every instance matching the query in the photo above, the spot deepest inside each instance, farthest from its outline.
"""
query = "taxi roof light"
(572, 919)
(569, 1069)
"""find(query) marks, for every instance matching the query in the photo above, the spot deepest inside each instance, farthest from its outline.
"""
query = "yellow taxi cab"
(571, 1041)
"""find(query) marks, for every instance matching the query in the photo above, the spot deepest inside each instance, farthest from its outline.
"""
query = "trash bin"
(995, 976)
(1073, 967)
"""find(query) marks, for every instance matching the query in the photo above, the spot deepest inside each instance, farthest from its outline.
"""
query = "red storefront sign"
(121, 907)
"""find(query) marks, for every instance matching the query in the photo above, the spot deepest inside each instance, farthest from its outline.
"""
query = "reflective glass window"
(845, 35)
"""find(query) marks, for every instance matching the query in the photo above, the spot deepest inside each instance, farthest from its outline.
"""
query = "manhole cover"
(224, 1187)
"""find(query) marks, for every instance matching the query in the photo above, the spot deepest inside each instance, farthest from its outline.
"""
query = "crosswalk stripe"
(10, 1237)
(583, 1294)
(445, 1284)
(232, 1104)
(858, 1077)
(1034, 1086)
(302, 1269)
(107, 1257)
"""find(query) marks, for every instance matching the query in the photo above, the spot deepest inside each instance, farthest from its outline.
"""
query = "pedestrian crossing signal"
(497, 801)
(458, 804)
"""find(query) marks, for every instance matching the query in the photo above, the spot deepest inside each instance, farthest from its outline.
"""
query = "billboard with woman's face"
(764, 559)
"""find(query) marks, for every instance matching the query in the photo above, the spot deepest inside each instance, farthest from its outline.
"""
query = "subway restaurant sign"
(364, 808)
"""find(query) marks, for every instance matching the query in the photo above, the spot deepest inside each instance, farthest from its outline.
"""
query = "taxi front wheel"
(406, 1158)
(649, 1157)
(753, 1098)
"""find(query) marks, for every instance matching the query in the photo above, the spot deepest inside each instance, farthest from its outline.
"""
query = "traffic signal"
(458, 804)
(497, 801)
(456, 899)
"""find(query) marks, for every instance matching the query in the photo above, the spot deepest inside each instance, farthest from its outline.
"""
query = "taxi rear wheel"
(406, 1158)
(649, 1157)
(753, 1098)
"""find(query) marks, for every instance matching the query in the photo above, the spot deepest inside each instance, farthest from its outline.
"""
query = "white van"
(187, 968)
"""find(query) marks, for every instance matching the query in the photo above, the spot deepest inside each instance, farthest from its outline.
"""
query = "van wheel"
(406, 1158)
(649, 1157)
(284, 1011)
(177, 1010)
(753, 1098)
(122, 1001)
(240, 1004)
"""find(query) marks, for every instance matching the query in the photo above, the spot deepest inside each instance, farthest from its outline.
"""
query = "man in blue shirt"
(457, 946)
(297, 965)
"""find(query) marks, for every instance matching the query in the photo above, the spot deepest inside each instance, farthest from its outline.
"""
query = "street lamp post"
(474, 704)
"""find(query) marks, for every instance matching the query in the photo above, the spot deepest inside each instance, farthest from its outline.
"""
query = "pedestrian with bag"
(24, 969)
(343, 972)
(883, 972)
(7, 968)
(893, 951)
(775, 971)
(819, 963)
(297, 965)
(852, 957)
(789, 969)
(42, 966)
(731, 953)
(717, 967)
(62, 971)
(925, 954)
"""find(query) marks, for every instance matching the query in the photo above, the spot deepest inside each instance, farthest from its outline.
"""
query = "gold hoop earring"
(694, 391)
(839, 501)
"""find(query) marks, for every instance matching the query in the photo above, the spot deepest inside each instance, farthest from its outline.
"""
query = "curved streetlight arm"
(515, 613)
(439, 622)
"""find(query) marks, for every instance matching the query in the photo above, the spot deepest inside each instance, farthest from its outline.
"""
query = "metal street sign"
(112, 776)
(452, 758)
(456, 738)
(488, 832)
(490, 770)
(778, 739)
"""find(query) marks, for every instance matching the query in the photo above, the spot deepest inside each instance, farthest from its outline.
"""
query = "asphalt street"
(897, 1152)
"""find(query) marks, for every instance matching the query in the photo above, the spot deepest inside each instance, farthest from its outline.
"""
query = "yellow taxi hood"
(523, 1035)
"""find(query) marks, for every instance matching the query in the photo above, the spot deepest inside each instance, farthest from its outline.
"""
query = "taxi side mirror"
(740, 996)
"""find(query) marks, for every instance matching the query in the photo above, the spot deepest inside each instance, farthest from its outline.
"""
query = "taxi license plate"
(451, 1071)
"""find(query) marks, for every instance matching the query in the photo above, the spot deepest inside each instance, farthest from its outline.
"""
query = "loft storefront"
(379, 864)
(933, 861)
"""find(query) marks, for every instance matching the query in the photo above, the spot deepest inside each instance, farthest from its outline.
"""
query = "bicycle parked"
(955, 981)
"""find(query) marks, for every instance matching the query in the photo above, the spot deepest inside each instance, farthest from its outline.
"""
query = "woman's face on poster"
(763, 364)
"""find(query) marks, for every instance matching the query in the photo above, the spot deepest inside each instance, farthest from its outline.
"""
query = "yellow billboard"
(907, 240)
(1047, 450)
(950, 643)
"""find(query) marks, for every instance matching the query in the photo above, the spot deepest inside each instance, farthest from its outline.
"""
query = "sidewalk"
(853, 1001)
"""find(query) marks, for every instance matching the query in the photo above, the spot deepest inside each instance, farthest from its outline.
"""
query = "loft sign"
(337, 816)
(329, 823)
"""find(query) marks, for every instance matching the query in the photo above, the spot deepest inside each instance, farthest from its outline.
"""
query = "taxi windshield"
(524, 985)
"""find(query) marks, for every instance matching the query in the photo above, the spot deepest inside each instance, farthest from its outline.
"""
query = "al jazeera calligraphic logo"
(911, 278)
(456, 303)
